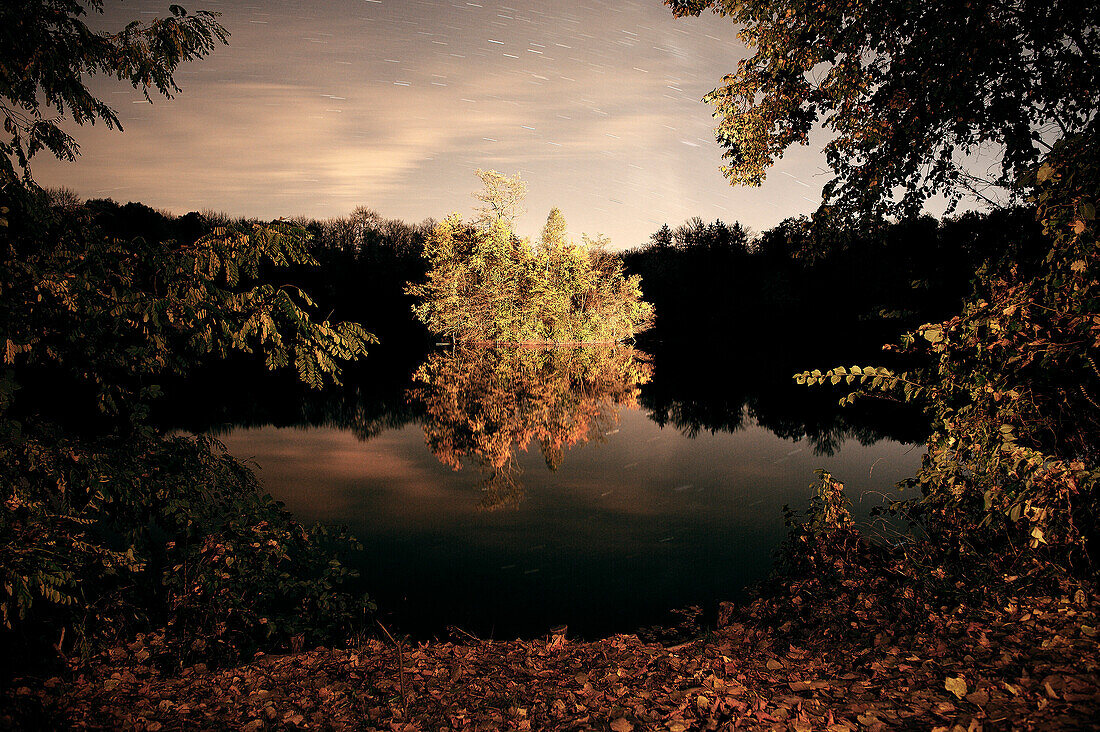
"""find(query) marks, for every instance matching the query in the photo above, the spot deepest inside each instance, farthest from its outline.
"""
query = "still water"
(519, 490)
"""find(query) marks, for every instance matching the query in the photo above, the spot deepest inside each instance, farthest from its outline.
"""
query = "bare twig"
(400, 668)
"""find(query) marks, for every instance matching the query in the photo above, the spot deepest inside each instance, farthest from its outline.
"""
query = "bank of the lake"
(854, 651)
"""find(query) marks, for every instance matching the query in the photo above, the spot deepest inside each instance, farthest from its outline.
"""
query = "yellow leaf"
(621, 725)
(956, 685)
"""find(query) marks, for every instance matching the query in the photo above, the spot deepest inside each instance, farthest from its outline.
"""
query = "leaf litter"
(798, 660)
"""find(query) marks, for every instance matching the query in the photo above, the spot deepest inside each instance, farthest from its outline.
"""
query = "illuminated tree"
(554, 233)
(503, 199)
(486, 284)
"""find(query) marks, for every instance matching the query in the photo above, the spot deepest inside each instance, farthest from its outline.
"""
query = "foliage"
(484, 404)
(1012, 385)
(555, 234)
(905, 90)
(105, 537)
(118, 315)
(485, 284)
(823, 546)
(502, 198)
(908, 92)
(47, 51)
(106, 526)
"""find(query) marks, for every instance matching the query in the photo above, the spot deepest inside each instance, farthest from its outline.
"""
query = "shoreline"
(857, 651)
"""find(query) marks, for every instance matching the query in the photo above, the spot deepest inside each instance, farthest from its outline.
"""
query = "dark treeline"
(737, 315)
(364, 259)
(717, 281)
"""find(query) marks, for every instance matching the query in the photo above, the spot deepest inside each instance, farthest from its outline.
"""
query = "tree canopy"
(47, 51)
(906, 91)
(502, 198)
(484, 283)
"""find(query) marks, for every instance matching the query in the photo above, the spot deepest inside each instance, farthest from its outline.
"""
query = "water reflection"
(682, 506)
(716, 387)
(480, 406)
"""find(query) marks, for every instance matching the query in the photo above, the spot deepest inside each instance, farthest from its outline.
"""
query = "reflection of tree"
(712, 388)
(481, 405)
(221, 399)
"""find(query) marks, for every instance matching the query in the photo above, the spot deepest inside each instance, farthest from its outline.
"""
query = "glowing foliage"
(502, 199)
(486, 284)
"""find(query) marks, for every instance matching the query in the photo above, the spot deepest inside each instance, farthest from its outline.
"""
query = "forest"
(142, 563)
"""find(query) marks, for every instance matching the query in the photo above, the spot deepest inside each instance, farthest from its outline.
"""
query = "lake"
(506, 491)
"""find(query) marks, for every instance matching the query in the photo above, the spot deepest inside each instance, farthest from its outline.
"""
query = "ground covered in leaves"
(852, 654)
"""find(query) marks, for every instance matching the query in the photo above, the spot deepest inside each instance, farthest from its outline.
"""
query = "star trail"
(316, 108)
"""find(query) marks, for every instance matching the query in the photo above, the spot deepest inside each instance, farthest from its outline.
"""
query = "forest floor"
(1030, 665)
(850, 648)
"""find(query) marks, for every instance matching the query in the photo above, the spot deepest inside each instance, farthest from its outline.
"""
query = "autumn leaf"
(621, 725)
(980, 698)
(956, 685)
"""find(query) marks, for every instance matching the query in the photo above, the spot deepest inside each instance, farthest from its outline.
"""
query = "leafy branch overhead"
(47, 53)
(905, 92)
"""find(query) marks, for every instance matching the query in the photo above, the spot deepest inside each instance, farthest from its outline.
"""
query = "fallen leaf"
(980, 698)
(956, 685)
(621, 725)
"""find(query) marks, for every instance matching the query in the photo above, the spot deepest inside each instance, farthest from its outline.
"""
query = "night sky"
(315, 108)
